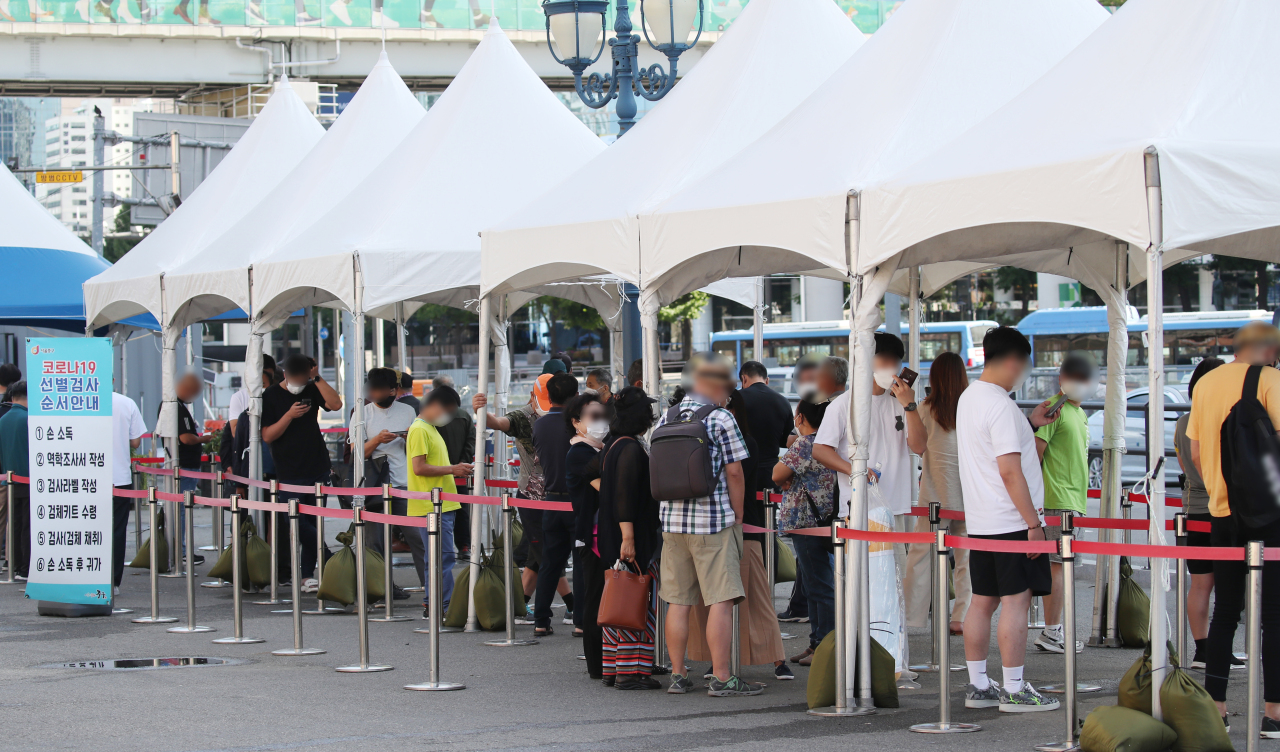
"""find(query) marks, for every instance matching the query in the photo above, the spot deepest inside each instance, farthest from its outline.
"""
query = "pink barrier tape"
(1201, 553)
(546, 506)
(395, 519)
(209, 501)
(198, 475)
(162, 496)
(128, 493)
(263, 505)
(341, 491)
(502, 484)
(945, 514)
(1007, 547)
(168, 472)
(336, 514)
(246, 481)
(333, 430)
(874, 537)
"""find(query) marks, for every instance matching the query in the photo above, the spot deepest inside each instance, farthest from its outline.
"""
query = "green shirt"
(1066, 460)
(425, 441)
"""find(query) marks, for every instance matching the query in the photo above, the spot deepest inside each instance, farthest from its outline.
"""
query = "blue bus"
(786, 344)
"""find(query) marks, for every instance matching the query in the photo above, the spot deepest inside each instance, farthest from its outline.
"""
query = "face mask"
(884, 377)
(537, 409)
(1017, 382)
(294, 388)
(386, 402)
(807, 391)
(1079, 391)
(441, 421)
(590, 391)
(598, 429)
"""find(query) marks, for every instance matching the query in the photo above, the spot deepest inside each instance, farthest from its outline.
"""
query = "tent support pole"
(356, 372)
(1155, 424)
(486, 313)
(402, 352)
(757, 323)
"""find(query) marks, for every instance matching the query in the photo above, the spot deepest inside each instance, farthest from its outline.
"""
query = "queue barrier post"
(275, 600)
(435, 586)
(508, 561)
(155, 617)
(189, 533)
(297, 649)
(661, 667)
(237, 587)
(437, 503)
(771, 551)
(321, 609)
(1253, 643)
(362, 605)
(735, 646)
(943, 637)
(845, 705)
(219, 540)
(1180, 607)
(1069, 621)
(8, 532)
(175, 536)
(388, 614)
(935, 524)
(1072, 741)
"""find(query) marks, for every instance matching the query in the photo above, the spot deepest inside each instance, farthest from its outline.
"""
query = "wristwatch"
(911, 407)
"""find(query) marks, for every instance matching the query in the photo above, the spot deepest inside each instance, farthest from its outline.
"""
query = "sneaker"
(197, 559)
(659, 670)
(311, 585)
(1051, 642)
(567, 620)
(1236, 662)
(679, 685)
(709, 675)
(524, 620)
(1270, 728)
(638, 682)
(735, 687)
(398, 593)
(1025, 700)
(783, 672)
(789, 617)
(982, 698)
(115, 590)
(1226, 722)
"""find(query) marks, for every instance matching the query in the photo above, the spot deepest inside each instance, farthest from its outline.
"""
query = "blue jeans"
(448, 557)
(818, 569)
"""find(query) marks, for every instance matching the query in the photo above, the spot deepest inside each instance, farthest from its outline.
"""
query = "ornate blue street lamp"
(575, 33)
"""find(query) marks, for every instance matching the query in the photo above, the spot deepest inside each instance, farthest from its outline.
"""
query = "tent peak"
(494, 26)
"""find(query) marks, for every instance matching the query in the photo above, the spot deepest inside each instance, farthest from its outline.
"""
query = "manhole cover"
(142, 664)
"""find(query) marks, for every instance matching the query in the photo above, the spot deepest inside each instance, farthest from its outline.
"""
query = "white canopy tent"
(221, 277)
(748, 81)
(781, 204)
(1157, 133)
(274, 144)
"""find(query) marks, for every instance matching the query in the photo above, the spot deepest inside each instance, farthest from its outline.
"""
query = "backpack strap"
(1251, 378)
(702, 412)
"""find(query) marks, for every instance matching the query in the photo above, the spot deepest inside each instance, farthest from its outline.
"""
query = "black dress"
(625, 497)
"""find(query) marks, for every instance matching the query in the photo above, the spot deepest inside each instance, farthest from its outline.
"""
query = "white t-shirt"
(239, 403)
(126, 424)
(988, 425)
(396, 418)
(888, 446)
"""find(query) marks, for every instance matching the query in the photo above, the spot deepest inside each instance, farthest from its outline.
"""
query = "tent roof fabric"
(378, 117)
(1062, 165)
(276, 141)
(749, 80)
(933, 70)
(414, 220)
(36, 247)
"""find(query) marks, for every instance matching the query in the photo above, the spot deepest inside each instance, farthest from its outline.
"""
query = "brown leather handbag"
(625, 602)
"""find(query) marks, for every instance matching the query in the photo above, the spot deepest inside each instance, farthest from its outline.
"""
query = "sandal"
(540, 632)
(577, 632)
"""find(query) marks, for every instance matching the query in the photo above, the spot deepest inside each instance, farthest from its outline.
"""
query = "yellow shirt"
(1216, 393)
(425, 441)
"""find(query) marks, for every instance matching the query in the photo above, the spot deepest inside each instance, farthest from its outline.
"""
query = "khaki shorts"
(706, 565)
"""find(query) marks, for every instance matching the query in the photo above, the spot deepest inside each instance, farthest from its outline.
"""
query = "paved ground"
(529, 698)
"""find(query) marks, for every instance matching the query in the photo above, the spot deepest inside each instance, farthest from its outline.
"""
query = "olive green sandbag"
(457, 614)
(1135, 686)
(1133, 610)
(222, 567)
(785, 567)
(1115, 729)
(517, 531)
(338, 582)
(490, 593)
(1190, 710)
(257, 556)
(821, 690)
(143, 559)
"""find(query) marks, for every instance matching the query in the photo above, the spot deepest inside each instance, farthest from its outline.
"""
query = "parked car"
(1135, 438)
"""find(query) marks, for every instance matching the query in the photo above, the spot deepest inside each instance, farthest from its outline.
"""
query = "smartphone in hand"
(305, 401)
(908, 376)
(1056, 405)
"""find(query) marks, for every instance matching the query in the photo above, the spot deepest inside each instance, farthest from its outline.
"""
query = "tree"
(456, 322)
(1183, 280)
(1020, 280)
(572, 315)
(684, 310)
(1242, 268)
(113, 249)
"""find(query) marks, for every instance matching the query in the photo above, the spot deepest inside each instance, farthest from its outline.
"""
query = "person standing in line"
(14, 458)
(702, 539)
(769, 414)
(191, 441)
(290, 424)
(584, 417)
(1195, 500)
(629, 531)
(387, 422)
(1063, 446)
(460, 436)
(833, 377)
(1004, 492)
(601, 383)
(127, 429)
(635, 373)
(405, 392)
(809, 500)
(940, 482)
(1217, 392)
(9, 375)
(551, 441)
(240, 400)
(430, 468)
(805, 378)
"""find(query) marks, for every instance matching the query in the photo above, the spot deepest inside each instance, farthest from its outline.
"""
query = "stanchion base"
(1061, 689)
(217, 584)
(1058, 747)
(275, 602)
(118, 611)
(173, 575)
(282, 611)
(509, 643)
(1110, 642)
(1035, 625)
(391, 618)
(932, 668)
(208, 548)
(945, 728)
(415, 590)
(323, 611)
(434, 686)
(905, 683)
(372, 668)
(237, 640)
(660, 671)
(190, 630)
(298, 651)
(834, 712)
(157, 620)
(443, 630)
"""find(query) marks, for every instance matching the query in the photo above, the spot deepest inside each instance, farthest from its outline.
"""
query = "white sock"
(1012, 679)
(1054, 629)
(978, 674)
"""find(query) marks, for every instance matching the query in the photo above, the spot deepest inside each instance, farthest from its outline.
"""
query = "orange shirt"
(1216, 393)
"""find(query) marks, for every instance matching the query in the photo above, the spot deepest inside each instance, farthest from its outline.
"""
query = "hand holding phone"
(1056, 405)
(908, 376)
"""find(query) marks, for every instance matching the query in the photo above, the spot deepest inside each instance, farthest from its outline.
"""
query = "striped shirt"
(709, 514)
